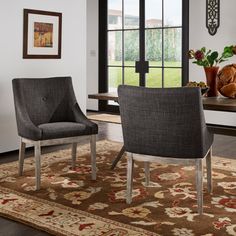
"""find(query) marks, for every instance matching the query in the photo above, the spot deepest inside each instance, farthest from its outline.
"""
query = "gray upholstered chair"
(165, 123)
(47, 113)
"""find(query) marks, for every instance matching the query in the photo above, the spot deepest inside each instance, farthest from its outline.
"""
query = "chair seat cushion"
(63, 129)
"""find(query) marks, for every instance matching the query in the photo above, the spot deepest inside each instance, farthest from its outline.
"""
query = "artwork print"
(42, 34)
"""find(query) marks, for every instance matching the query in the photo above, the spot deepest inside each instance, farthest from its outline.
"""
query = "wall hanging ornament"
(212, 16)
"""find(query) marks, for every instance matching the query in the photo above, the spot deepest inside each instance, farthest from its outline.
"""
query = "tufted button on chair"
(47, 113)
(165, 123)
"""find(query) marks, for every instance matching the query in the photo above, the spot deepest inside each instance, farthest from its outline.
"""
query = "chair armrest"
(81, 118)
(25, 126)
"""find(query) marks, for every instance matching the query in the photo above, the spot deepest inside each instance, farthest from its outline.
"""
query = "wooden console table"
(221, 104)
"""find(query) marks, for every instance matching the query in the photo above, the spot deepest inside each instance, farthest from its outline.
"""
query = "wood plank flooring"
(224, 146)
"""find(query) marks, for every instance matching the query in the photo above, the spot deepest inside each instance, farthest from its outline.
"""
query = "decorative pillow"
(227, 81)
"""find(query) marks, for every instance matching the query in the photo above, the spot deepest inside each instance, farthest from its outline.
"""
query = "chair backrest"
(44, 100)
(162, 121)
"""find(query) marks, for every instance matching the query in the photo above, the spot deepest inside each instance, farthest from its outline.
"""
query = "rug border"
(96, 217)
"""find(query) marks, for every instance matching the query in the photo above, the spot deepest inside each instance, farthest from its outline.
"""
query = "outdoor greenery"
(153, 78)
(172, 57)
(172, 45)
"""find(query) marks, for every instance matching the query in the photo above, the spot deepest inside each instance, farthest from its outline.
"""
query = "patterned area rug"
(70, 203)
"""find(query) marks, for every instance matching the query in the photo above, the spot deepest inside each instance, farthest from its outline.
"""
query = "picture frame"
(42, 34)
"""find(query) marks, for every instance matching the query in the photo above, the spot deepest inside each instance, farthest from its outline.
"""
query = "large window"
(143, 42)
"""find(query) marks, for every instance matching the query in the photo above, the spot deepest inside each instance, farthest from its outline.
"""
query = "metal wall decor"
(212, 16)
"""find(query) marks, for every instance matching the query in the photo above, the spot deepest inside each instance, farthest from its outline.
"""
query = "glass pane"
(172, 12)
(154, 78)
(172, 78)
(154, 47)
(114, 78)
(114, 48)
(131, 53)
(172, 47)
(131, 13)
(131, 78)
(114, 14)
(153, 13)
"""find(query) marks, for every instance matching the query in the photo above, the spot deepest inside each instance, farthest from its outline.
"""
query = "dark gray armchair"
(47, 113)
(165, 123)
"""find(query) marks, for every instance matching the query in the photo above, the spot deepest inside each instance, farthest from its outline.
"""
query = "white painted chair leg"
(209, 174)
(130, 167)
(147, 173)
(199, 184)
(74, 148)
(21, 157)
(37, 153)
(93, 156)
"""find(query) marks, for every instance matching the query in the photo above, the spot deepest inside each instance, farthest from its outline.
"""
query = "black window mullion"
(142, 81)
(123, 43)
(129, 29)
(185, 41)
(125, 66)
(162, 45)
(103, 69)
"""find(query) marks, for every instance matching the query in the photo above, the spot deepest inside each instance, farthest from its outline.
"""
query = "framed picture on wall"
(42, 34)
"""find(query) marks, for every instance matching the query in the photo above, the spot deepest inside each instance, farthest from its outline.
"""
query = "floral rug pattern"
(70, 203)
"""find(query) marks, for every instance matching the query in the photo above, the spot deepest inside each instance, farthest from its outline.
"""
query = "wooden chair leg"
(93, 156)
(199, 184)
(21, 157)
(74, 148)
(209, 174)
(130, 167)
(37, 153)
(147, 173)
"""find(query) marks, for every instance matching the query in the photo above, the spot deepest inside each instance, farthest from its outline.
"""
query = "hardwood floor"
(224, 146)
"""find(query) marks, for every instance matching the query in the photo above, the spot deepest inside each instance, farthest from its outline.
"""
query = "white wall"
(199, 37)
(92, 52)
(73, 61)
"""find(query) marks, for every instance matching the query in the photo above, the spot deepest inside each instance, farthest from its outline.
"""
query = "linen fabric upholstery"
(166, 122)
(62, 130)
(46, 108)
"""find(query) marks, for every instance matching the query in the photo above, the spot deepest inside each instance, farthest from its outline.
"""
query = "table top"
(219, 104)
(105, 96)
(209, 103)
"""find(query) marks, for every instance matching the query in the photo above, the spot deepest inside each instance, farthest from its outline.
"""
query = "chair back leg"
(199, 184)
(21, 157)
(93, 156)
(209, 174)
(37, 153)
(130, 168)
(147, 173)
(74, 148)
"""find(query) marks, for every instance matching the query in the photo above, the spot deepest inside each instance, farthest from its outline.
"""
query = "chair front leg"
(147, 173)
(130, 167)
(74, 148)
(37, 153)
(209, 174)
(93, 156)
(21, 157)
(199, 184)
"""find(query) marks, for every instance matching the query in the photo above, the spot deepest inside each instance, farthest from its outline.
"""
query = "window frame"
(103, 49)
